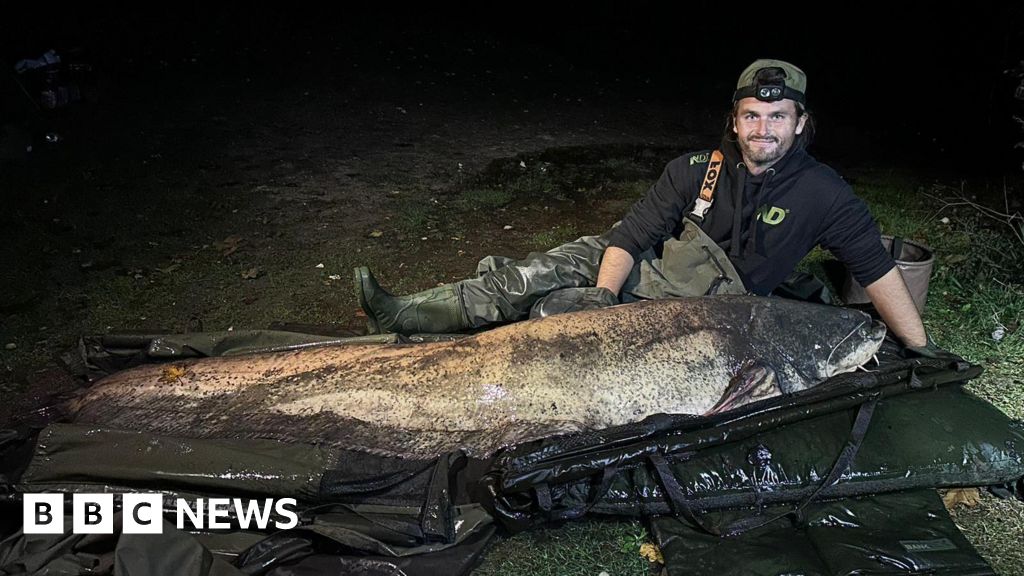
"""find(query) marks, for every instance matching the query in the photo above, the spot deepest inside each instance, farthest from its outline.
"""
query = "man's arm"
(891, 298)
(615, 266)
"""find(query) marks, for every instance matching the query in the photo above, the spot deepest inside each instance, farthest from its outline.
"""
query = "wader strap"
(738, 190)
(723, 275)
(676, 496)
(707, 188)
(842, 463)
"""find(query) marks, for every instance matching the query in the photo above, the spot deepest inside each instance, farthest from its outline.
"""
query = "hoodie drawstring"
(738, 193)
(762, 192)
(737, 203)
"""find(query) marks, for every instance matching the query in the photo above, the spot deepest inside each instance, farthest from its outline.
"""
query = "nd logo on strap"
(771, 215)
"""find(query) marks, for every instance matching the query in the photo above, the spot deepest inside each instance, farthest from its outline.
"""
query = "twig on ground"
(1014, 221)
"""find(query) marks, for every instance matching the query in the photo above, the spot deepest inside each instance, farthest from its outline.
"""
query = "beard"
(770, 151)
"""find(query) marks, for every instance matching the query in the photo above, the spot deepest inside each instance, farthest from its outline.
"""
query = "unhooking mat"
(887, 534)
(928, 437)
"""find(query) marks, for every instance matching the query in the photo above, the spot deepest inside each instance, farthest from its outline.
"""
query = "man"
(734, 220)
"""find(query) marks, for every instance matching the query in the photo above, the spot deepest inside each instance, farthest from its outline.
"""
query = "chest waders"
(506, 289)
(692, 264)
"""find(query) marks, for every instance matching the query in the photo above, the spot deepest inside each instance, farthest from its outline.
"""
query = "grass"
(976, 299)
(995, 527)
(483, 199)
(556, 235)
(577, 549)
(417, 217)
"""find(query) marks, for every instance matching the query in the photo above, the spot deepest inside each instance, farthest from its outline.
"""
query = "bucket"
(915, 262)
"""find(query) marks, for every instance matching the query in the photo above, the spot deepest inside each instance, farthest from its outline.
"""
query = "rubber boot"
(434, 311)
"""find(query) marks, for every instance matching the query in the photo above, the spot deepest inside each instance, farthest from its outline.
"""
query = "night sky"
(923, 83)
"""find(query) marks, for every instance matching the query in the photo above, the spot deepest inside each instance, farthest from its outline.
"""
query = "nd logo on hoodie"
(771, 215)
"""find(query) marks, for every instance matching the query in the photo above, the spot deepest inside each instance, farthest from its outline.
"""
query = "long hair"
(774, 76)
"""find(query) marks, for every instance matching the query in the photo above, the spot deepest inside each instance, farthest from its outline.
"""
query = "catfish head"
(808, 343)
(853, 351)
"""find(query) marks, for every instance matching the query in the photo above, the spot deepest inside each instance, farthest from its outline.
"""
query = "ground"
(168, 208)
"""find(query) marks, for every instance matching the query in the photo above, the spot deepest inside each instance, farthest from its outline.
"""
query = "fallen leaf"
(969, 497)
(229, 245)
(376, 234)
(251, 273)
(652, 553)
(172, 373)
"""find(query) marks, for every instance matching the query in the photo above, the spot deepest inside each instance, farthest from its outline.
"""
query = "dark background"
(924, 83)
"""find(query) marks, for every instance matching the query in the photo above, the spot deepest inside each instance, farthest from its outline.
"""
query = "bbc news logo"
(143, 513)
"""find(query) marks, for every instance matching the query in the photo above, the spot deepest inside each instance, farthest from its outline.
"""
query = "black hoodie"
(800, 203)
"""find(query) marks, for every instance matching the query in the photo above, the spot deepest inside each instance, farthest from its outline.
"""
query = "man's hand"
(931, 350)
(573, 300)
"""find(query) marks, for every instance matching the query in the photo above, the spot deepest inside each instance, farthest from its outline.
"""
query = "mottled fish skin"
(586, 370)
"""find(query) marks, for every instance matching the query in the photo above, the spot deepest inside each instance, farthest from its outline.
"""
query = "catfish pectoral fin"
(754, 381)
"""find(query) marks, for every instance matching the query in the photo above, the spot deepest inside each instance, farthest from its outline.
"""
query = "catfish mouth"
(753, 382)
(855, 349)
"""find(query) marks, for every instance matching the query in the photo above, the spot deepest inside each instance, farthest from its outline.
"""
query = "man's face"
(766, 130)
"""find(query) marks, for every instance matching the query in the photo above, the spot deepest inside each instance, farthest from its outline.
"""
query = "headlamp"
(769, 93)
(785, 81)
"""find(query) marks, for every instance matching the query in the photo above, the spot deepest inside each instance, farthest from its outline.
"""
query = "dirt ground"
(165, 207)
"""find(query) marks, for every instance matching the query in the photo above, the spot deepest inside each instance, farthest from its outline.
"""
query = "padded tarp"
(77, 458)
(895, 533)
(100, 355)
(346, 540)
(172, 553)
(73, 457)
(887, 534)
(930, 437)
(934, 438)
(103, 354)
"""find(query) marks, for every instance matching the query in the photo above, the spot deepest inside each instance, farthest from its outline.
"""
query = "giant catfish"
(578, 371)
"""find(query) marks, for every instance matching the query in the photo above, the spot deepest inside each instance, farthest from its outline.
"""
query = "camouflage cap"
(793, 86)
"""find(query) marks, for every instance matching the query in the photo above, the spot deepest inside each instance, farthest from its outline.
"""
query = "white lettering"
(142, 514)
(247, 513)
(43, 514)
(196, 516)
(92, 513)
(219, 508)
(293, 518)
